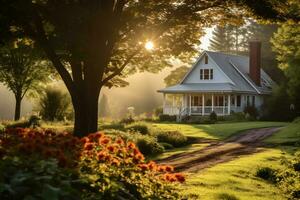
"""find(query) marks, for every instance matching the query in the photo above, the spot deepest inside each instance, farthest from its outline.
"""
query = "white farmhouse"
(219, 83)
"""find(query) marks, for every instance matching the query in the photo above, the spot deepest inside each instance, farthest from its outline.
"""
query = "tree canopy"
(22, 70)
(93, 43)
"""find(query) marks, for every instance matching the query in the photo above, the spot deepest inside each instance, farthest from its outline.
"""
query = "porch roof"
(203, 87)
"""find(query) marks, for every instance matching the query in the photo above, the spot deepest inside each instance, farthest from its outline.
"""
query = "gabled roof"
(236, 68)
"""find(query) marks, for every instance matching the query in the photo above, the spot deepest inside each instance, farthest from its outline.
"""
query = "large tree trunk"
(18, 107)
(85, 106)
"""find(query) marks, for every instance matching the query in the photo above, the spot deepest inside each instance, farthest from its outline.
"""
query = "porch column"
(203, 106)
(223, 104)
(229, 102)
(212, 102)
(235, 101)
(190, 110)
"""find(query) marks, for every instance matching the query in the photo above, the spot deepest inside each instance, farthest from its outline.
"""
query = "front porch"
(201, 104)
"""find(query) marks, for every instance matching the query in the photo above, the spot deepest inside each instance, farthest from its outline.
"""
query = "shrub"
(127, 120)
(106, 167)
(149, 145)
(114, 125)
(289, 177)
(267, 174)
(158, 111)
(213, 117)
(33, 121)
(166, 145)
(199, 120)
(55, 105)
(252, 111)
(167, 118)
(175, 138)
(140, 127)
(225, 196)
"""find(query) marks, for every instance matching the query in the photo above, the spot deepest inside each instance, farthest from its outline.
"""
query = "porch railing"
(195, 110)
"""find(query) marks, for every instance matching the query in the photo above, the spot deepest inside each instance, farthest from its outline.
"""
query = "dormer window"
(206, 74)
(206, 59)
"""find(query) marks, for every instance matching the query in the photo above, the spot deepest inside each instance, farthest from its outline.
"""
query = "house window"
(253, 101)
(206, 59)
(238, 100)
(206, 74)
(232, 100)
(248, 100)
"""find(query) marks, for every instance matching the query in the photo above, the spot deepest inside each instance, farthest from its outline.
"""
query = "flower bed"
(100, 166)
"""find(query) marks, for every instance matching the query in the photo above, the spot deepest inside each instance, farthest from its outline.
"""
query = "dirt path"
(244, 143)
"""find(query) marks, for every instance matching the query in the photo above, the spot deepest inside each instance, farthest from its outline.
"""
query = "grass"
(289, 134)
(236, 179)
(216, 131)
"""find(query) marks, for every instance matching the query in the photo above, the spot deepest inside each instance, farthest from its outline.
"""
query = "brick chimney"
(255, 61)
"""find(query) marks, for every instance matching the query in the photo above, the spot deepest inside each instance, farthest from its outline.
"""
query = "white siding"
(218, 77)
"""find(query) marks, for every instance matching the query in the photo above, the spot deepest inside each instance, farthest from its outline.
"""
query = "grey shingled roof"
(236, 68)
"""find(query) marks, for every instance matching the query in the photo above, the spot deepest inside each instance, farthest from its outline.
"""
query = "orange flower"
(101, 155)
(111, 148)
(152, 165)
(88, 146)
(104, 140)
(161, 168)
(115, 162)
(170, 177)
(136, 151)
(169, 168)
(143, 166)
(131, 145)
(139, 157)
(120, 141)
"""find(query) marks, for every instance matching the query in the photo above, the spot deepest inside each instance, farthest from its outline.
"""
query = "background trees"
(22, 70)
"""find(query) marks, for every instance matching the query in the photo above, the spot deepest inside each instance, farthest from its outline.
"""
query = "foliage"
(175, 138)
(24, 178)
(149, 146)
(286, 44)
(158, 111)
(88, 58)
(22, 70)
(140, 127)
(225, 196)
(267, 173)
(127, 120)
(55, 105)
(289, 178)
(167, 118)
(114, 125)
(199, 120)
(251, 111)
(277, 106)
(213, 117)
(109, 168)
(233, 117)
(176, 75)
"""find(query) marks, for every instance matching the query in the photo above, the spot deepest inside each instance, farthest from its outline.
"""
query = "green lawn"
(216, 131)
(288, 134)
(236, 178)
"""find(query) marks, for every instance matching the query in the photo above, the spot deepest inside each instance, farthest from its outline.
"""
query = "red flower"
(170, 177)
(180, 178)
(120, 141)
(111, 148)
(152, 165)
(115, 162)
(169, 168)
(85, 140)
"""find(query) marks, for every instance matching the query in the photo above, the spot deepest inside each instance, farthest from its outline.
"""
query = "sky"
(143, 97)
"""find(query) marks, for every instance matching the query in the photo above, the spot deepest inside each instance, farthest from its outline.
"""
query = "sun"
(149, 45)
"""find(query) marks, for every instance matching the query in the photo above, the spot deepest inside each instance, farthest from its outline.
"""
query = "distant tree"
(54, 104)
(176, 75)
(22, 70)
(222, 39)
(286, 43)
(92, 43)
(104, 110)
